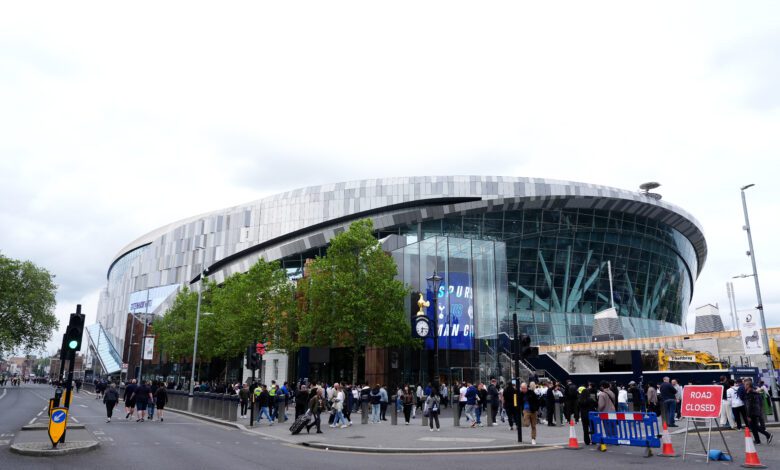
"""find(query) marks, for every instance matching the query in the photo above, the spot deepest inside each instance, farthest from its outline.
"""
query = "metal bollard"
(456, 410)
(394, 411)
(489, 413)
(219, 412)
(233, 404)
(226, 402)
(196, 402)
(280, 412)
(212, 404)
(364, 412)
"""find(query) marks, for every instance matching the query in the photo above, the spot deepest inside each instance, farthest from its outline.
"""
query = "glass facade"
(556, 269)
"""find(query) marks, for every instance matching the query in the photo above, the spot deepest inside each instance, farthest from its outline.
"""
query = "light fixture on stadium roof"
(646, 187)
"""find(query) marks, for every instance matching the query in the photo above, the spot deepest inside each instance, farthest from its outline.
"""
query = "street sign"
(701, 401)
(57, 422)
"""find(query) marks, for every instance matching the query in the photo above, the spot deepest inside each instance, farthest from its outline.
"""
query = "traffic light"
(74, 332)
(526, 350)
(252, 358)
(260, 349)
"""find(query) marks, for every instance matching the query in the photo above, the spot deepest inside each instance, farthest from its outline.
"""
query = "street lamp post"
(197, 321)
(760, 306)
(434, 282)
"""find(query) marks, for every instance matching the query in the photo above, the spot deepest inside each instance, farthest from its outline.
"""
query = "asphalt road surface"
(182, 442)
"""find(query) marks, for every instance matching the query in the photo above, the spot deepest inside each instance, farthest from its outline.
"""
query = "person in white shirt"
(462, 400)
(737, 405)
(726, 414)
(622, 399)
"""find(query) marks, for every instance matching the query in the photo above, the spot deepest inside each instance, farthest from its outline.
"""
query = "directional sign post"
(57, 423)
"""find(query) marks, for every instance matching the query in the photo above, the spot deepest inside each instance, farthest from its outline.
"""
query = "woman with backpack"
(110, 398)
(432, 407)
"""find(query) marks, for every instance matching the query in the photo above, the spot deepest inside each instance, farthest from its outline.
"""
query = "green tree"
(352, 298)
(256, 305)
(176, 329)
(27, 301)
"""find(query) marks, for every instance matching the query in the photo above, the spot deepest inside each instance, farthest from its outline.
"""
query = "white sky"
(116, 119)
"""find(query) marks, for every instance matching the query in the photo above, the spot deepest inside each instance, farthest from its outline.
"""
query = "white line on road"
(40, 413)
(32, 421)
(84, 406)
(74, 420)
(4, 392)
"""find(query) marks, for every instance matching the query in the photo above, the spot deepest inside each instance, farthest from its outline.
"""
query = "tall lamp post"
(197, 320)
(760, 306)
(433, 282)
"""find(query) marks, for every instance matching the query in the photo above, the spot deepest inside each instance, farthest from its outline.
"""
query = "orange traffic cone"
(573, 444)
(751, 456)
(666, 440)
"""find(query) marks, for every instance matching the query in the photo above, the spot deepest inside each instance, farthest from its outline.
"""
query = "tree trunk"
(355, 362)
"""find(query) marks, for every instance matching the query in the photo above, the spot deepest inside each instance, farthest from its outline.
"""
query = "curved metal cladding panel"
(238, 228)
(299, 220)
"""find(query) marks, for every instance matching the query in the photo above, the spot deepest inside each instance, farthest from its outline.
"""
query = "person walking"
(301, 400)
(243, 399)
(754, 404)
(726, 414)
(142, 397)
(433, 405)
(481, 403)
(669, 402)
(736, 394)
(150, 407)
(471, 403)
(161, 399)
(263, 402)
(529, 403)
(407, 401)
(383, 401)
(635, 393)
(652, 399)
(622, 399)
(376, 401)
(493, 399)
(605, 398)
(570, 397)
(550, 403)
(129, 399)
(587, 402)
(512, 413)
(110, 399)
(316, 404)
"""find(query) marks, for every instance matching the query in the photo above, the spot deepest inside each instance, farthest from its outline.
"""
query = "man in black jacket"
(570, 396)
(492, 393)
(586, 403)
(550, 403)
(301, 400)
(754, 403)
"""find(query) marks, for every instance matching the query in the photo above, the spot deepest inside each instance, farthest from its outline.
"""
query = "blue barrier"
(624, 429)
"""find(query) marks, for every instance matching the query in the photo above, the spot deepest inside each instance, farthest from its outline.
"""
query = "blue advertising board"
(456, 326)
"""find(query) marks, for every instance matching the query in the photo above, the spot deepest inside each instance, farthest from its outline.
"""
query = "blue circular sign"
(58, 416)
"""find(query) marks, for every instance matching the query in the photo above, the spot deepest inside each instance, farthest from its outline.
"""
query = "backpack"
(375, 399)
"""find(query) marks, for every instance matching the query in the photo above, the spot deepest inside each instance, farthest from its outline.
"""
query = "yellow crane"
(774, 352)
(684, 357)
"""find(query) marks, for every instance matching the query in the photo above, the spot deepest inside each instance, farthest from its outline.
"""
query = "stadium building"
(549, 251)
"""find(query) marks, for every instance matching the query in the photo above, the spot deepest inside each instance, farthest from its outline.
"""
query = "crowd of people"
(529, 404)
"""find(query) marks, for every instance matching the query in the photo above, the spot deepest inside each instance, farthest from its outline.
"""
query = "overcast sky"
(116, 119)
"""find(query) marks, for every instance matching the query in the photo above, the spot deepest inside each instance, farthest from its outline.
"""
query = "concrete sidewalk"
(402, 438)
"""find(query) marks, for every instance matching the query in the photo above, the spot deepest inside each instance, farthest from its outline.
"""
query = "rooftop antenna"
(646, 187)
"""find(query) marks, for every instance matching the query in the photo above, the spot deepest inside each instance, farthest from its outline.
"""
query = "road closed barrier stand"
(625, 429)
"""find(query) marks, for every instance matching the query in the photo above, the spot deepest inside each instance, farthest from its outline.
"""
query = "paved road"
(185, 443)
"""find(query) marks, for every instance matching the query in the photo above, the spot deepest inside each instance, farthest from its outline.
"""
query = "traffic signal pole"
(72, 340)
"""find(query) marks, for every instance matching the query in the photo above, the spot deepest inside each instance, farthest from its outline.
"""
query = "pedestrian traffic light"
(74, 332)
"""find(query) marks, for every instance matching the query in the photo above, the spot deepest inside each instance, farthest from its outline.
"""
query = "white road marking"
(5, 442)
(32, 421)
(4, 392)
(84, 406)
(7, 434)
(74, 420)
(40, 413)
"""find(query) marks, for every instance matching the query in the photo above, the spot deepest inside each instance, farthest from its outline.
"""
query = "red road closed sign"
(701, 401)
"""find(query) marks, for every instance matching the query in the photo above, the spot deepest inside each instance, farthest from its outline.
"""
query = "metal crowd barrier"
(625, 429)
